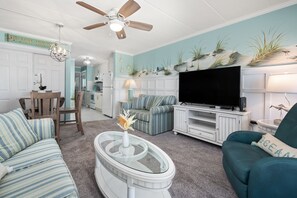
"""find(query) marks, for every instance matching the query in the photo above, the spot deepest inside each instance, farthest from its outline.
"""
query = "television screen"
(219, 87)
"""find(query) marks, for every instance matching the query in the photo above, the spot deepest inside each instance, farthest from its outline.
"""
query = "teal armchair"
(252, 172)
(154, 114)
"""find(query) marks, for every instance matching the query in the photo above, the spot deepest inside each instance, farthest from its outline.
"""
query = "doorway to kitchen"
(92, 105)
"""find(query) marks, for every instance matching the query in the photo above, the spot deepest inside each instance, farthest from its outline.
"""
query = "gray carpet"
(199, 171)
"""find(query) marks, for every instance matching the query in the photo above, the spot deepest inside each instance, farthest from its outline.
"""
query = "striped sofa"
(38, 170)
(154, 114)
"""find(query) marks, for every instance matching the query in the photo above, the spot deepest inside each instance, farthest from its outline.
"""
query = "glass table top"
(141, 155)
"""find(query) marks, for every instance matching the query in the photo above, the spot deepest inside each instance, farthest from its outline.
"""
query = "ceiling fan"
(117, 18)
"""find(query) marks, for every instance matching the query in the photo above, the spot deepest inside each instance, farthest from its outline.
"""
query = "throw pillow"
(4, 170)
(157, 101)
(15, 134)
(138, 103)
(149, 102)
(275, 147)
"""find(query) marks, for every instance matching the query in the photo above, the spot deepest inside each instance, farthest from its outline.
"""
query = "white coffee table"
(143, 170)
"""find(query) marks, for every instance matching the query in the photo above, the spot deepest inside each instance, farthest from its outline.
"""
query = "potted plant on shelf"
(197, 55)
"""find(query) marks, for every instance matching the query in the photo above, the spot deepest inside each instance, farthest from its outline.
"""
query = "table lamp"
(282, 83)
(130, 85)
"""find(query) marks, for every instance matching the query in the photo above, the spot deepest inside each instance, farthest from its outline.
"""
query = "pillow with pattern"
(4, 170)
(157, 101)
(16, 134)
(275, 147)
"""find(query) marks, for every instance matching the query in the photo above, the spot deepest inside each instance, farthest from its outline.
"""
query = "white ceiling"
(172, 20)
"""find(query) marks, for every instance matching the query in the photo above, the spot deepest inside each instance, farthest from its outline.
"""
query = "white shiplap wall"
(160, 85)
(254, 81)
(253, 87)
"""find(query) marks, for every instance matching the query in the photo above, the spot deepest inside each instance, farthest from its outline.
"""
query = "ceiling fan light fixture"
(116, 25)
(117, 18)
(87, 61)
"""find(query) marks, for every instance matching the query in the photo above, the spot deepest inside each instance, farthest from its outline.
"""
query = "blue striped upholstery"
(38, 170)
(158, 100)
(138, 103)
(50, 179)
(169, 100)
(159, 117)
(149, 101)
(141, 114)
(44, 128)
(161, 109)
(126, 105)
(142, 126)
(16, 134)
(39, 152)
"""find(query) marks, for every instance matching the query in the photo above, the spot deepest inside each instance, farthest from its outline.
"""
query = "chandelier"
(57, 50)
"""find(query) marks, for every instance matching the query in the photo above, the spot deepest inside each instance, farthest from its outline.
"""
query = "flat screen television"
(217, 87)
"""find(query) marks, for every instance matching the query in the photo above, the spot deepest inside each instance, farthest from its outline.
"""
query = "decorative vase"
(126, 139)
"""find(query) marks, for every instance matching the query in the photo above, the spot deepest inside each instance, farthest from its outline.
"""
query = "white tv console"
(209, 124)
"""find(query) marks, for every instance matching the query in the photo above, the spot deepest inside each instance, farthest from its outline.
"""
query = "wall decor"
(267, 47)
(12, 38)
(264, 40)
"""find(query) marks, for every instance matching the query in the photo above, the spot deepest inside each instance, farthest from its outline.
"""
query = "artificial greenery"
(197, 54)
(180, 58)
(167, 72)
(133, 72)
(266, 45)
(220, 46)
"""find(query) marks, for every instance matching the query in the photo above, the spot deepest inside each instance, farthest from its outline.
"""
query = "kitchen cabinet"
(98, 101)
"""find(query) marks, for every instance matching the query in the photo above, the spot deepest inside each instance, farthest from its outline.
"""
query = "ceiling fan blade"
(90, 27)
(85, 5)
(121, 34)
(140, 26)
(129, 8)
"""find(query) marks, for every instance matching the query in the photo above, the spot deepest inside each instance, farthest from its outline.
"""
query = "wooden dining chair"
(46, 105)
(76, 110)
(25, 107)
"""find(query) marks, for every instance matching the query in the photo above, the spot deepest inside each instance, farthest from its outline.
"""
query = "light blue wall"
(90, 71)
(237, 36)
(123, 64)
(69, 80)
(2, 36)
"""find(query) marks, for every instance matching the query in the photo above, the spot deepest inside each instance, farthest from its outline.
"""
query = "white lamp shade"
(130, 84)
(116, 25)
(283, 83)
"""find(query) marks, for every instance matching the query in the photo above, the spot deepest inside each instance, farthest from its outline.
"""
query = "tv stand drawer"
(203, 134)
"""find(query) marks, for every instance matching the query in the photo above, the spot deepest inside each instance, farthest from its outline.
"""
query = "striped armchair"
(38, 170)
(154, 114)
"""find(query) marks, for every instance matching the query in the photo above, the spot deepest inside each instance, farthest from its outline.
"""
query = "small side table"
(267, 126)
